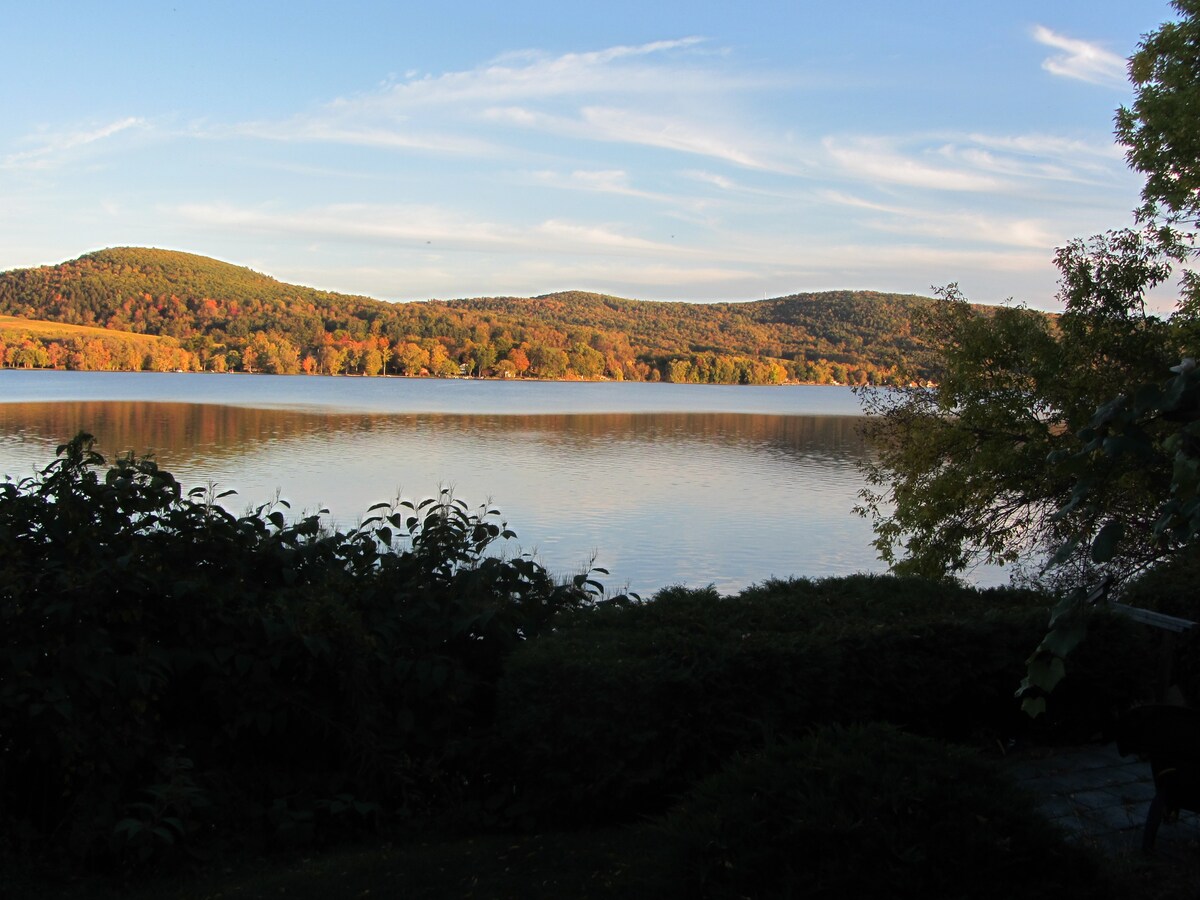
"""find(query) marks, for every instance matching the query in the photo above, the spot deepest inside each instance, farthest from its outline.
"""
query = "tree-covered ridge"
(38, 344)
(231, 318)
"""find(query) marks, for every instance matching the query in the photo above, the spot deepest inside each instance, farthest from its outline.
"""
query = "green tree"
(585, 361)
(548, 362)
(372, 362)
(481, 358)
(331, 359)
(984, 466)
(411, 358)
(1159, 129)
(960, 476)
(1147, 425)
(679, 371)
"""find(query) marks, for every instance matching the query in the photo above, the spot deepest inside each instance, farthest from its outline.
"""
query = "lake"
(659, 483)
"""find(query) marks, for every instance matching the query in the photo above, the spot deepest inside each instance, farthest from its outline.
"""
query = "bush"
(173, 676)
(1170, 587)
(624, 707)
(867, 811)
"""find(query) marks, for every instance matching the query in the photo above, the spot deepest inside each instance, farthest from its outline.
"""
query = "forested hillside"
(230, 318)
(38, 344)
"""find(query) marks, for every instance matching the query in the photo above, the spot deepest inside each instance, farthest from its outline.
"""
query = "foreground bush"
(173, 677)
(624, 707)
(864, 812)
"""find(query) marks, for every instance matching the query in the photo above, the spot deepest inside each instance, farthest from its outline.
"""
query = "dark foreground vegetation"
(196, 704)
(187, 691)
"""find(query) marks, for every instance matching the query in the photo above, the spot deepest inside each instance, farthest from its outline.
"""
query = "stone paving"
(1101, 798)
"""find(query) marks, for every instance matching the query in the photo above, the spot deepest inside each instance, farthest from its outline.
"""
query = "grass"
(57, 331)
(604, 863)
(589, 865)
(1159, 877)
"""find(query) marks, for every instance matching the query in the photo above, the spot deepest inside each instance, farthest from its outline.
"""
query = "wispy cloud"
(975, 163)
(306, 129)
(53, 147)
(954, 225)
(613, 125)
(712, 178)
(421, 227)
(1049, 145)
(1081, 60)
(610, 181)
(520, 276)
(636, 69)
(665, 94)
(878, 161)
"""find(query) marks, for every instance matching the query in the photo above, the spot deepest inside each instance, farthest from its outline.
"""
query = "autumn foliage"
(218, 317)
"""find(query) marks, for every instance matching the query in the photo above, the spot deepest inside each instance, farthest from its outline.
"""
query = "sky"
(661, 151)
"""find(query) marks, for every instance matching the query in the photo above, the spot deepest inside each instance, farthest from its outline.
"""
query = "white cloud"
(609, 181)
(563, 235)
(1020, 166)
(626, 126)
(1037, 168)
(55, 146)
(423, 227)
(877, 161)
(720, 181)
(970, 227)
(1050, 145)
(665, 94)
(1081, 60)
(524, 277)
(673, 134)
(645, 69)
(388, 138)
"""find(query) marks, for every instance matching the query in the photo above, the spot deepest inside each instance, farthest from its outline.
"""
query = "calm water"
(662, 484)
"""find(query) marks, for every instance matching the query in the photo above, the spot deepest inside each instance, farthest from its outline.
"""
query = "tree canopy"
(1077, 441)
(986, 466)
(229, 318)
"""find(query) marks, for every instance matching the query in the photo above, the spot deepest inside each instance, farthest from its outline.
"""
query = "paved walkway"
(1102, 798)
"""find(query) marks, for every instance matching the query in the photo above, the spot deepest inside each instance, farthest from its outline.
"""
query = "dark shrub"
(173, 675)
(1171, 588)
(623, 707)
(867, 811)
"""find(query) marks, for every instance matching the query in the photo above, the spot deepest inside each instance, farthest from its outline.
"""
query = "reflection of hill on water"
(808, 436)
(169, 430)
(179, 431)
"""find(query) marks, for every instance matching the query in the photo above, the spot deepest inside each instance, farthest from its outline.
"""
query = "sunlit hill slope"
(225, 317)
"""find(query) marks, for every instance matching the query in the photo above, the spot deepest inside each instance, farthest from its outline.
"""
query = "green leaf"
(1062, 640)
(1033, 706)
(1046, 671)
(1072, 505)
(1104, 547)
(1132, 442)
(1064, 552)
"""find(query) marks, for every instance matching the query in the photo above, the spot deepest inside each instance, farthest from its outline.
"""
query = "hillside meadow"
(40, 344)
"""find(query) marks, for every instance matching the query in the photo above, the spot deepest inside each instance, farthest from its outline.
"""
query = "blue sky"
(663, 151)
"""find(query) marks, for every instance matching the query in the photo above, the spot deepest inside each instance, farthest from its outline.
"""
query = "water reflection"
(661, 498)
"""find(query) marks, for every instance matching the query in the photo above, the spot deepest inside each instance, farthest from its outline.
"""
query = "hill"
(229, 317)
(38, 344)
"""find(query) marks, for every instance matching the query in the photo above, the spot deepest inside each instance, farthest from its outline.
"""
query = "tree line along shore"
(100, 312)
